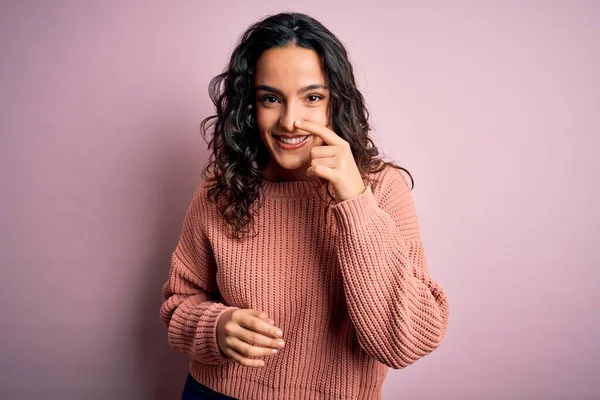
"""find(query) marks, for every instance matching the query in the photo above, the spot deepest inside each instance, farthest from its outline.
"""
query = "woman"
(300, 272)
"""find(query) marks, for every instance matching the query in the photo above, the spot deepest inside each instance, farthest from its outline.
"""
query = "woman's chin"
(288, 168)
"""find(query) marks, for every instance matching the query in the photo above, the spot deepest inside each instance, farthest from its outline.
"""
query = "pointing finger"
(326, 134)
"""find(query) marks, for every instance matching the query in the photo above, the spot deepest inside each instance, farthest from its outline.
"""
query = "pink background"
(493, 105)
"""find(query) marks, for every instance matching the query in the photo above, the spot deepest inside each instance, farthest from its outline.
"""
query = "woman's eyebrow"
(301, 90)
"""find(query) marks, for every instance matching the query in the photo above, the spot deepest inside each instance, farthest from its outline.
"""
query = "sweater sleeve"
(190, 308)
(399, 312)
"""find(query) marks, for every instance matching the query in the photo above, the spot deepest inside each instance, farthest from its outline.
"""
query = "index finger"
(260, 326)
(321, 131)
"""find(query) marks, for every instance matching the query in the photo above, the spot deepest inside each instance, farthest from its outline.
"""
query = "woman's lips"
(291, 146)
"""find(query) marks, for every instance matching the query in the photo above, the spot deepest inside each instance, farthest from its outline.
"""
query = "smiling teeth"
(292, 140)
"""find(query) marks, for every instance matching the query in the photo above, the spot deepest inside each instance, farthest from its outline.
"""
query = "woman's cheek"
(318, 115)
(262, 121)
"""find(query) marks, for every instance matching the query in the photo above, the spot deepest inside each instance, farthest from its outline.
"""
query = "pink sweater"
(348, 285)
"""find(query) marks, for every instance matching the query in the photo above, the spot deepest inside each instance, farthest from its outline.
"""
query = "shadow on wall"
(162, 369)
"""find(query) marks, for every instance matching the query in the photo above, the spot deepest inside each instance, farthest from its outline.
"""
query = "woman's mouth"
(288, 143)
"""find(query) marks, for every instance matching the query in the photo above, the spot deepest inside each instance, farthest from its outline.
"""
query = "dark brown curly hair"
(237, 153)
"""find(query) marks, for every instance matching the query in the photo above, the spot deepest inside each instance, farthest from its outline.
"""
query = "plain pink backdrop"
(492, 105)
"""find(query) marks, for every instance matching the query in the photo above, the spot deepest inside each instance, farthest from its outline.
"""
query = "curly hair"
(237, 153)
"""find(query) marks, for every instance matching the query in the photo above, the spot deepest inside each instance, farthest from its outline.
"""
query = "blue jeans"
(194, 390)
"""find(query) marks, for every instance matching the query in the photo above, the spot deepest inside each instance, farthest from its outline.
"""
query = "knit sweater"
(346, 282)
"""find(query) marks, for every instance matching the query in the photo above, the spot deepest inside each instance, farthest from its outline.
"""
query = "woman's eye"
(269, 99)
(314, 98)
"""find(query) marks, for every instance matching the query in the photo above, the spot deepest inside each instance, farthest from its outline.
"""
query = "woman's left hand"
(333, 162)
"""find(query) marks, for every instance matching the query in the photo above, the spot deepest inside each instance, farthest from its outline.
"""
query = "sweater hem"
(249, 389)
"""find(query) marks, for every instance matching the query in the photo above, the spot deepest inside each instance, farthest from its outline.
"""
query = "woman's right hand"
(240, 332)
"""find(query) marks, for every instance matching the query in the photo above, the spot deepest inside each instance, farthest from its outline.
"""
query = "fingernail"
(281, 343)
(262, 363)
(299, 122)
(275, 351)
(279, 333)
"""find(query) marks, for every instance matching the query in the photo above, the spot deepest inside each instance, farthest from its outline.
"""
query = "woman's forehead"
(289, 68)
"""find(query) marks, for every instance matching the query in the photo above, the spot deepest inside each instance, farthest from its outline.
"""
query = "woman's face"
(289, 85)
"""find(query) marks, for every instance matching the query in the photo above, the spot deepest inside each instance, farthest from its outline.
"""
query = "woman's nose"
(290, 114)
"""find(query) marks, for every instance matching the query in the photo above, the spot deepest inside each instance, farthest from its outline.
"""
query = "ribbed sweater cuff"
(197, 334)
(353, 212)
(207, 333)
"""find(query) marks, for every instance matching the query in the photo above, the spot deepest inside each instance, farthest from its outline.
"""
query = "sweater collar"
(294, 189)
